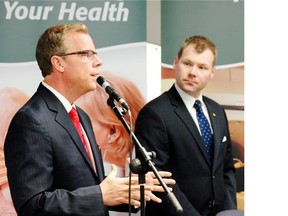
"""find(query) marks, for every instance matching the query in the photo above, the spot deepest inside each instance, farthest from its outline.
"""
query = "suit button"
(211, 204)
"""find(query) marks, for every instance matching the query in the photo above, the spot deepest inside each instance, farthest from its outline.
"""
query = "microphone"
(109, 90)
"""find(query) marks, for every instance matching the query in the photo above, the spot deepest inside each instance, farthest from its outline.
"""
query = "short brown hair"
(201, 44)
(51, 42)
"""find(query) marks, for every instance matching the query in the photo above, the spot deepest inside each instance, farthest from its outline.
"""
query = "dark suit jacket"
(49, 171)
(202, 187)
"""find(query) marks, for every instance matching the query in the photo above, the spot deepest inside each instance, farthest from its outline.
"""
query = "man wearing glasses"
(53, 168)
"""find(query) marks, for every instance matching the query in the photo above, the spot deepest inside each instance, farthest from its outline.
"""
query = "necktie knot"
(76, 121)
(74, 115)
(197, 106)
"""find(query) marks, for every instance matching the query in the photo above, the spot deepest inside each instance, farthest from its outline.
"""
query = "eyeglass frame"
(89, 53)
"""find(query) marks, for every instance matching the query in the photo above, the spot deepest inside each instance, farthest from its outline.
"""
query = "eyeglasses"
(90, 54)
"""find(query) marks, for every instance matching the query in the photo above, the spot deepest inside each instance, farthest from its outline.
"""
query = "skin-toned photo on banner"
(112, 137)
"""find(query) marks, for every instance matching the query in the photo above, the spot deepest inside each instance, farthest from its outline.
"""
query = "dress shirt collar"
(188, 99)
(63, 100)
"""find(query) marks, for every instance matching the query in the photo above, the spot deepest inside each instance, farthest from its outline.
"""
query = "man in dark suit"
(49, 170)
(168, 125)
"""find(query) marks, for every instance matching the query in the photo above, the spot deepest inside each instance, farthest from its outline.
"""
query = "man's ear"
(57, 63)
(176, 60)
(213, 72)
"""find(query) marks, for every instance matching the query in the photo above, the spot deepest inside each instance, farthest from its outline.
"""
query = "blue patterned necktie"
(204, 128)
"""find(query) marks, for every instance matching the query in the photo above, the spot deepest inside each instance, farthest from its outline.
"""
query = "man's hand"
(151, 180)
(115, 190)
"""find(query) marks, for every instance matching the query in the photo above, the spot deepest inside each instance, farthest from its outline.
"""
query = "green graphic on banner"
(220, 20)
(110, 23)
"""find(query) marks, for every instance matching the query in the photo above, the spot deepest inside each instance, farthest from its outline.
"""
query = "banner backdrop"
(22, 23)
(118, 28)
(222, 21)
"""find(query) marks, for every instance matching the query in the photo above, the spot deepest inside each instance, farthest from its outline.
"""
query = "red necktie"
(76, 121)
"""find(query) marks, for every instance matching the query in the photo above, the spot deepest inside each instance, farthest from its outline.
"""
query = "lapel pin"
(214, 114)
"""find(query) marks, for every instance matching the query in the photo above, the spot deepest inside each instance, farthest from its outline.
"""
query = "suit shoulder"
(211, 102)
(158, 101)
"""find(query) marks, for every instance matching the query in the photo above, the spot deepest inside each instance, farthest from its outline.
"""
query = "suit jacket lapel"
(184, 115)
(62, 117)
(95, 149)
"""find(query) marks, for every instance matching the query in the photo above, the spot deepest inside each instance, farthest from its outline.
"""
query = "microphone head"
(100, 80)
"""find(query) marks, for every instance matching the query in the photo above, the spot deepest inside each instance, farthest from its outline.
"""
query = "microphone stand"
(140, 168)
